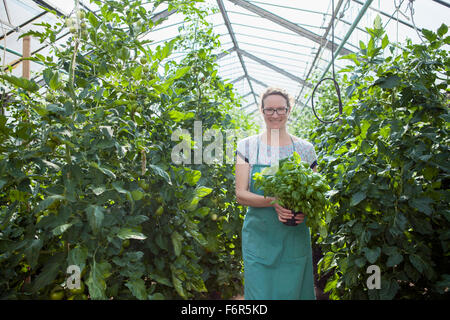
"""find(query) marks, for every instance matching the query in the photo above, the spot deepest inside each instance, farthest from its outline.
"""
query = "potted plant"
(297, 187)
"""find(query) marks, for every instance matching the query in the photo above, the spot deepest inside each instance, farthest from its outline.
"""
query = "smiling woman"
(277, 258)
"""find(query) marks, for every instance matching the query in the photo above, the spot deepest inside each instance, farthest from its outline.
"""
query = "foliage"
(297, 187)
(86, 175)
(387, 158)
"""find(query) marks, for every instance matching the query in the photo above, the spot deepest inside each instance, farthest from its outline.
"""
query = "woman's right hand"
(283, 213)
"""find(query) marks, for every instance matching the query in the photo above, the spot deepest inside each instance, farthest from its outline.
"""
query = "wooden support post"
(26, 54)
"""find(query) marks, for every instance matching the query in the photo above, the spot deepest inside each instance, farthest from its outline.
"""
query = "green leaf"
(388, 289)
(128, 233)
(177, 240)
(95, 217)
(443, 283)
(202, 191)
(352, 57)
(157, 296)
(78, 256)
(32, 251)
(443, 29)
(47, 202)
(117, 185)
(388, 82)
(372, 254)
(357, 198)
(385, 41)
(54, 82)
(160, 279)
(422, 204)
(98, 190)
(2, 183)
(61, 229)
(417, 262)
(137, 73)
(178, 284)
(429, 35)
(160, 172)
(96, 280)
(377, 23)
(178, 116)
(47, 74)
(137, 288)
(181, 72)
(394, 260)
(103, 170)
(191, 177)
(27, 85)
(49, 272)
(137, 195)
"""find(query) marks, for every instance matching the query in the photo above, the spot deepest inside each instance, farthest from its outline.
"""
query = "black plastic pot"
(291, 222)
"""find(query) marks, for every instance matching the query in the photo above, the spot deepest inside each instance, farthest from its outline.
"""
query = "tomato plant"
(387, 159)
(297, 187)
(86, 175)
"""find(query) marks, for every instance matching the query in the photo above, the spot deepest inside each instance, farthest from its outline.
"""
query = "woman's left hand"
(299, 218)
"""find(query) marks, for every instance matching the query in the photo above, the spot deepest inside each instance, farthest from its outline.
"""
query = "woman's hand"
(299, 218)
(286, 214)
(283, 213)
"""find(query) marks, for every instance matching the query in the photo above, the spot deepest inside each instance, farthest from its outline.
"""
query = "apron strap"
(257, 146)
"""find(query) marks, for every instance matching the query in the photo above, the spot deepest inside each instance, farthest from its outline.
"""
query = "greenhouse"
(224, 150)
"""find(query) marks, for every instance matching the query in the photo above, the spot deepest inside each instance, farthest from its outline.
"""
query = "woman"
(277, 258)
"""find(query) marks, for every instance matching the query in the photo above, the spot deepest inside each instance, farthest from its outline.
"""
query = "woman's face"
(275, 120)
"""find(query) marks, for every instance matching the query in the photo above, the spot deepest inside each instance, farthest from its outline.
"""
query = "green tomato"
(58, 295)
(69, 22)
(77, 291)
(78, 297)
(81, 15)
(159, 211)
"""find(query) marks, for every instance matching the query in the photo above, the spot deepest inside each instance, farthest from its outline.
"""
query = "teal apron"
(277, 258)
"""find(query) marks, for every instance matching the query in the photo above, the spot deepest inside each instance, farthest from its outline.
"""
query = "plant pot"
(291, 222)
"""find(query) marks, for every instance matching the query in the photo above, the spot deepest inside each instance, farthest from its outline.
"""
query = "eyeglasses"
(271, 111)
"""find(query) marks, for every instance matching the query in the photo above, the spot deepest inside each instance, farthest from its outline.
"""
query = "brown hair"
(276, 91)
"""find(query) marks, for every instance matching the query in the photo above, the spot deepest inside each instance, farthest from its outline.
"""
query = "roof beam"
(235, 44)
(238, 79)
(163, 15)
(259, 82)
(225, 53)
(275, 68)
(23, 24)
(46, 5)
(247, 94)
(289, 25)
(387, 15)
(443, 3)
(251, 104)
(338, 7)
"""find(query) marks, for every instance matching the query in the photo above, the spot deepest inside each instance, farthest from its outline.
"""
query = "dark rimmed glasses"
(271, 111)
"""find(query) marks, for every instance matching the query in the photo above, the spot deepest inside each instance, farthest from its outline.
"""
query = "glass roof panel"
(259, 37)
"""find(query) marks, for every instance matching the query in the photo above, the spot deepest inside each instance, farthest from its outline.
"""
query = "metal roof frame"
(246, 56)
